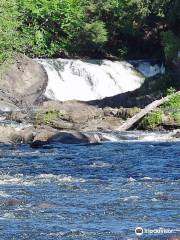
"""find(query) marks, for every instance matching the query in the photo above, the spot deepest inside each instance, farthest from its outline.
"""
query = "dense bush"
(9, 23)
(152, 120)
(52, 28)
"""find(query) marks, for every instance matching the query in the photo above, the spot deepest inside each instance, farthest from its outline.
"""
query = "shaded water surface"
(89, 192)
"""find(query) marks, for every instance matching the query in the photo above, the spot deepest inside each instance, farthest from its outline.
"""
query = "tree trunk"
(130, 122)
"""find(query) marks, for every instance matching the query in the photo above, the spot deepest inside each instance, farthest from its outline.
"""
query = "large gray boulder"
(49, 135)
(23, 82)
(44, 135)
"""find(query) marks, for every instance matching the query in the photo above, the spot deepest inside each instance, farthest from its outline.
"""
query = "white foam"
(19, 179)
(131, 179)
(4, 194)
(100, 164)
(131, 198)
(83, 80)
(139, 136)
(147, 178)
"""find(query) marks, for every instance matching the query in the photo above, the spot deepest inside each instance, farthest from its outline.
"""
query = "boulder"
(12, 202)
(47, 135)
(81, 116)
(43, 135)
(23, 82)
(75, 111)
(176, 135)
(11, 135)
(7, 134)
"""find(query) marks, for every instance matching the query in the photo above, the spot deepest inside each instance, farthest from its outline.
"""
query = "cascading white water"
(93, 79)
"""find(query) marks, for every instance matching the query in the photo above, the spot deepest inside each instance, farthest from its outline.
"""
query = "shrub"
(173, 103)
(47, 117)
(10, 41)
(152, 120)
(95, 33)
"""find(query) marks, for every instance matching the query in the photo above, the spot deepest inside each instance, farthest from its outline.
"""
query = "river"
(89, 192)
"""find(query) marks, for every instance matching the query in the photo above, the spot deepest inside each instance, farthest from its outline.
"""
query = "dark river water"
(101, 191)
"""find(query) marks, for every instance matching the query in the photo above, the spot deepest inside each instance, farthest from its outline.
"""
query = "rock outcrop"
(80, 116)
(22, 83)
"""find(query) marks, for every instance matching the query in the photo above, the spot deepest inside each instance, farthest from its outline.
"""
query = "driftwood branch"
(130, 122)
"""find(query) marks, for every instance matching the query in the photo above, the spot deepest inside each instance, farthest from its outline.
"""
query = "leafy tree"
(51, 26)
(10, 43)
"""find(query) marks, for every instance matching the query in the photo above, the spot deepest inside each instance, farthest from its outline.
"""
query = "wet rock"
(176, 135)
(28, 134)
(11, 135)
(11, 202)
(74, 137)
(50, 135)
(43, 135)
(6, 134)
(23, 82)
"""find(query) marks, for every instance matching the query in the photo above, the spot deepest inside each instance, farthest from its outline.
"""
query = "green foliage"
(173, 103)
(168, 112)
(171, 45)
(54, 28)
(95, 33)
(172, 107)
(9, 35)
(47, 117)
(51, 27)
(122, 53)
(51, 116)
(171, 91)
(153, 119)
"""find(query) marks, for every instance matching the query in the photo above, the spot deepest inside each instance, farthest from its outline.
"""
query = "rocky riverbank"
(22, 103)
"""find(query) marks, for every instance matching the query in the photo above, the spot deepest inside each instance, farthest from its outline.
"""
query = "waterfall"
(93, 79)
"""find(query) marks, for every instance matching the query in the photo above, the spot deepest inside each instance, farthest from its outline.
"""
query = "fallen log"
(130, 122)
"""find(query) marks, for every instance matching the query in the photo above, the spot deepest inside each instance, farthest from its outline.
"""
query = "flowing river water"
(90, 192)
